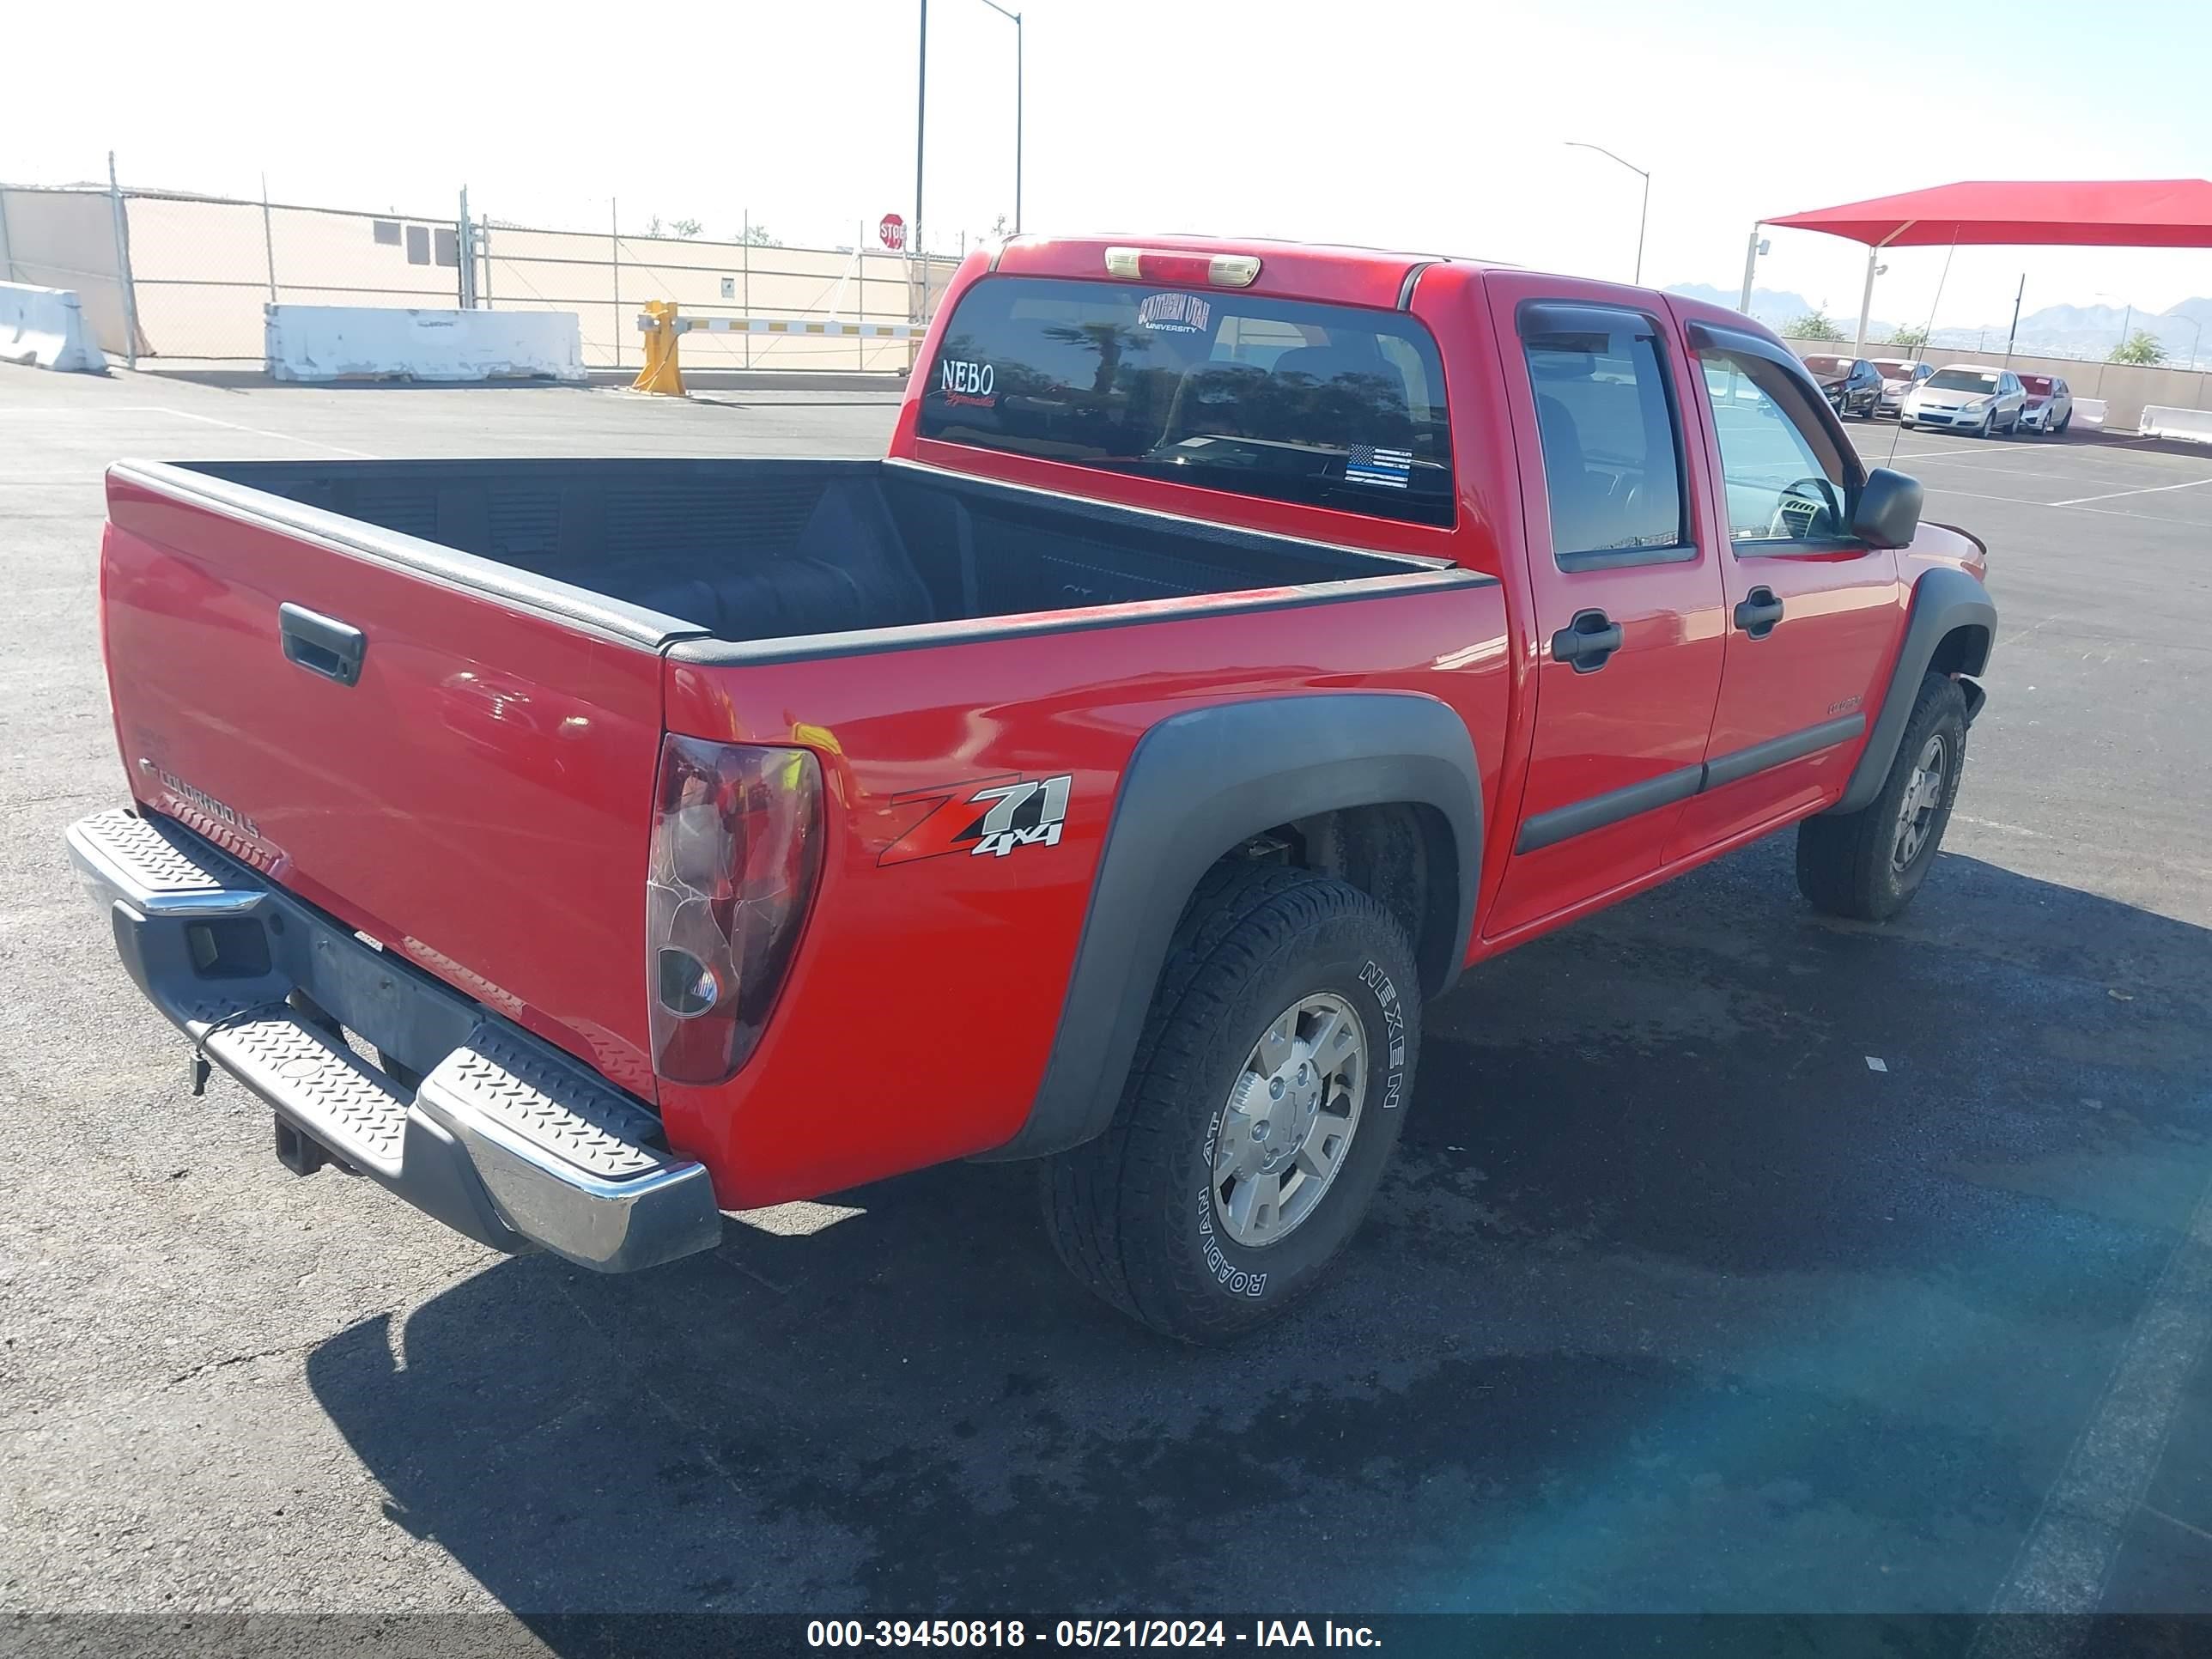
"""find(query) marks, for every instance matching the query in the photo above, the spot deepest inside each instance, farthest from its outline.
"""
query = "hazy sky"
(1436, 127)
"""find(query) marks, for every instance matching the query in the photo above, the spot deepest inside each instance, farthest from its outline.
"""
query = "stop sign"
(892, 230)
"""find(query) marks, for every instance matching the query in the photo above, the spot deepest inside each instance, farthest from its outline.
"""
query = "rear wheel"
(1867, 865)
(1268, 1090)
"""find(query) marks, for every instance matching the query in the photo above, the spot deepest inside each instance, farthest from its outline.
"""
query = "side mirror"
(1888, 510)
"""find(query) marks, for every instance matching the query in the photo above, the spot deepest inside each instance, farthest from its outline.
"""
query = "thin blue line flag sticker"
(1390, 468)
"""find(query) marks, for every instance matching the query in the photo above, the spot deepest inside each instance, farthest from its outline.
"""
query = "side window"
(1612, 447)
(1786, 481)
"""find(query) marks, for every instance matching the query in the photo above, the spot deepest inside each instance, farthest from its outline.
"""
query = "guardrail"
(664, 327)
(2194, 425)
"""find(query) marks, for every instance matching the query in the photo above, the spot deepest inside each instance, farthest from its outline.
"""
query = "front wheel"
(1269, 1088)
(1989, 426)
(1867, 865)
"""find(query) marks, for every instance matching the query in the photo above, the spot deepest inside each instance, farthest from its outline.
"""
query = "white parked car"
(1973, 396)
(1899, 376)
(2050, 404)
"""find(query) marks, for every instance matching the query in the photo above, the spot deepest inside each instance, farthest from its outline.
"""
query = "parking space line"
(2101, 511)
(50, 411)
(2067, 1557)
(2153, 489)
(2022, 472)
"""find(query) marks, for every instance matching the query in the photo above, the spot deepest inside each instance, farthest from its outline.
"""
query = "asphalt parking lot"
(1734, 1259)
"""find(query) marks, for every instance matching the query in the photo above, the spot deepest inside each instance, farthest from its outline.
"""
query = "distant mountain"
(1772, 305)
(1777, 307)
(2060, 331)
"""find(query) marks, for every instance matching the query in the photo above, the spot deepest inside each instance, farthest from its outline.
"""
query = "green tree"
(758, 236)
(2142, 347)
(687, 226)
(1815, 324)
(1910, 339)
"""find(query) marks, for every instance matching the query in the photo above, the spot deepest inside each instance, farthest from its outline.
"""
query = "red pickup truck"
(1238, 640)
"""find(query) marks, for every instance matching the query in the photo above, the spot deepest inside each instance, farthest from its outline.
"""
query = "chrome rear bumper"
(505, 1139)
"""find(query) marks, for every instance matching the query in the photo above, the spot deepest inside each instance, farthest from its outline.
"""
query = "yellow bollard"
(661, 372)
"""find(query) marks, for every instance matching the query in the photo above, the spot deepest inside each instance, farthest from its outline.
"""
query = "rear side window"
(1328, 405)
(1612, 449)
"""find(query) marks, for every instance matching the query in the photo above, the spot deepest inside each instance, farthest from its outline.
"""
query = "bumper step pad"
(560, 1107)
(319, 1084)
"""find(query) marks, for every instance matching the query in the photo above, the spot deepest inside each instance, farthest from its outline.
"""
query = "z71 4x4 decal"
(984, 814)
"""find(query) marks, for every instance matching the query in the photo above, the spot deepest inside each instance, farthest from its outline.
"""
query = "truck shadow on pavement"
(1733, 1258)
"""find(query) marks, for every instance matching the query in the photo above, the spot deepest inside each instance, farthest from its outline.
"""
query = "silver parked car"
(1899, 376)
(1974, 397)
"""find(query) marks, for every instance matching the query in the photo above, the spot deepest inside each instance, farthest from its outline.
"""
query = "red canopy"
(2072, 212)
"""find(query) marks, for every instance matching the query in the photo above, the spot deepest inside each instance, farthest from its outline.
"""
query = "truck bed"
(429, 697)
(758, 549)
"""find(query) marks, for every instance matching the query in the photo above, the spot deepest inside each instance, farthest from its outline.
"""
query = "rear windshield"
(1893, 370)
(1963, 380)
(2038, 384)
(1329, 406)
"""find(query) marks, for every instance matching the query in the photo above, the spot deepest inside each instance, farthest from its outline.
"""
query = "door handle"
(322, 645)
(1587, 641)
(1758, 611)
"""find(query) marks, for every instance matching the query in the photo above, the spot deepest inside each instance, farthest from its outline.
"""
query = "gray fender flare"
(1942, 600)
(1198, 786)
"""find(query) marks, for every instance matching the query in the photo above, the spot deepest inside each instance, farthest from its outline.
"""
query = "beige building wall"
(66, 239)
(203, 268)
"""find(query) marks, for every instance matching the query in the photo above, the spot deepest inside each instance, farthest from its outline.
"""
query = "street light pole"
(1017, 17)
(1751, 253)
(1644, 215)
(920, 127)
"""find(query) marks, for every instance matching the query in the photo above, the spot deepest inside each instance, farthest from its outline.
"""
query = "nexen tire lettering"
(1394, 1022)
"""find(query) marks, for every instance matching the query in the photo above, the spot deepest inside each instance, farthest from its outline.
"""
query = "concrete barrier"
(375, 343)
(2090, 411)
(44, 328)
(2194, 424)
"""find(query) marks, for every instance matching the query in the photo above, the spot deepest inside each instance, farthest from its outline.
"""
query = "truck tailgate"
(475, 792)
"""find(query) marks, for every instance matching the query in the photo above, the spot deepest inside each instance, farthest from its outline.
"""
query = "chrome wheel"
(1923, 798)
(1289, 1120)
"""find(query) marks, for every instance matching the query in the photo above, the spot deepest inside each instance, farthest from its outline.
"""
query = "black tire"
(2066, 422)
(1133, 1212)
(1846, 863)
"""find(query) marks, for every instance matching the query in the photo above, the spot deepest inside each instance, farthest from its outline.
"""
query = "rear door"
(1813, 614)
(465, 776)
(1626, 584)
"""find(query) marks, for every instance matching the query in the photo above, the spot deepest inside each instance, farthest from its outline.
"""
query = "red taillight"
(736, 849)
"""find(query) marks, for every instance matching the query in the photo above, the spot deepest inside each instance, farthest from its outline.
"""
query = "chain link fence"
(170, 274)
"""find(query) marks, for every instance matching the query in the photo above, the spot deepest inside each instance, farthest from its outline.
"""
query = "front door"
(1813, 613)
(1626, 581)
